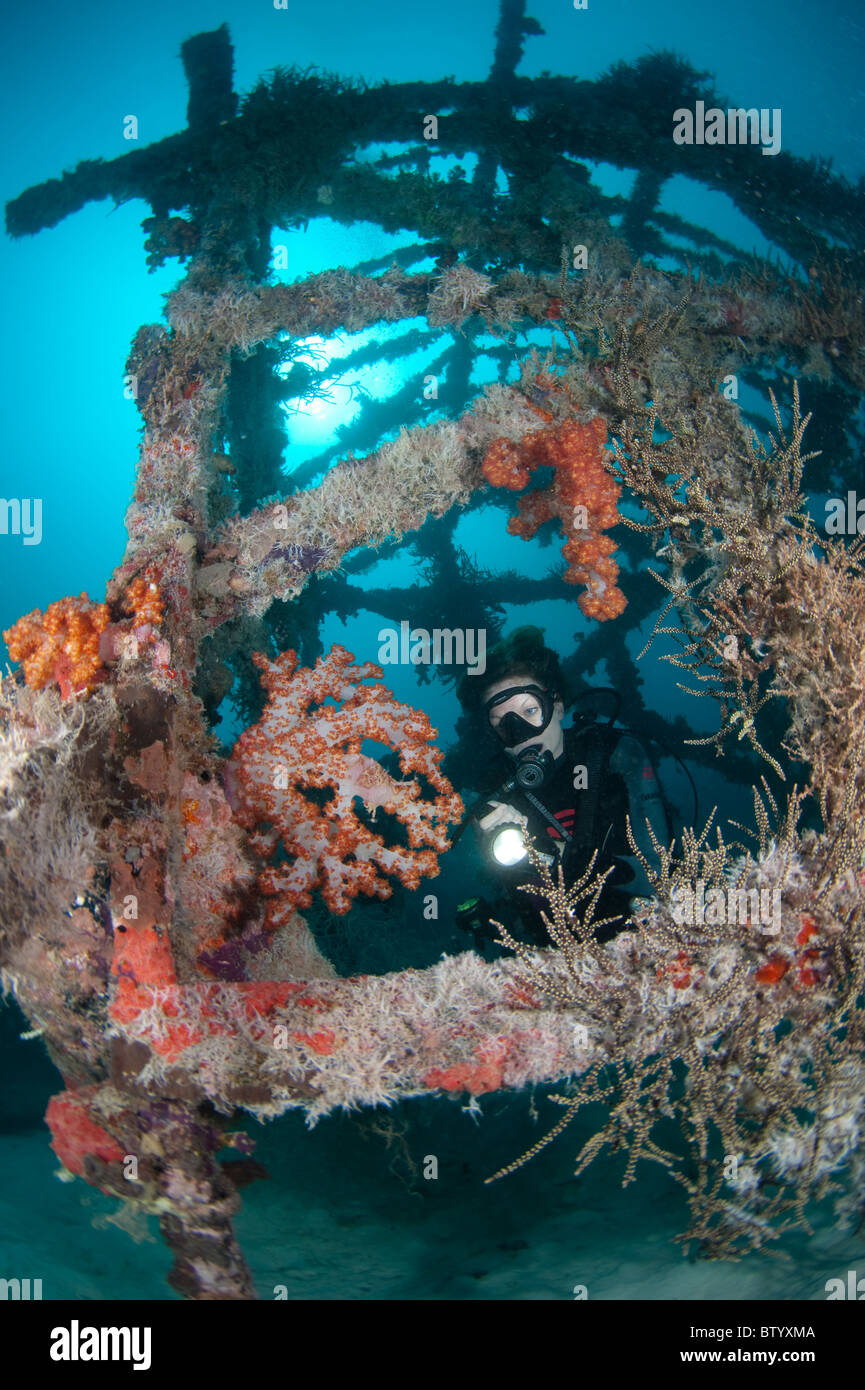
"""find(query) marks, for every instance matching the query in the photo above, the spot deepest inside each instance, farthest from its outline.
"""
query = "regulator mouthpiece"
(532, 766)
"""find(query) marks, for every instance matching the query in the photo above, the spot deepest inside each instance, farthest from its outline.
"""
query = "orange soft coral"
(583, 495)
(503, 466)
(301, 743)
(61, 645)
(144, 601)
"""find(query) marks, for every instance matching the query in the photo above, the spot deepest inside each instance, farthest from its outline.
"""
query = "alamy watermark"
(77, 1343)
(757, 907)
(845, 516)
(853, 1289)
(17, 1289)
(735, 126)
(444, 646)
(21, 516)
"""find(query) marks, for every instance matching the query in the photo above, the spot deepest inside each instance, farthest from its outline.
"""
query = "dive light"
(507, 844)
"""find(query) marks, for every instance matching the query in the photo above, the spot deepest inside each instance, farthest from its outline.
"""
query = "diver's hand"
(503, 814)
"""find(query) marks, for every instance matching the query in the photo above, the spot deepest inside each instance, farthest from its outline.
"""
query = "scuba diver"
(567, 792)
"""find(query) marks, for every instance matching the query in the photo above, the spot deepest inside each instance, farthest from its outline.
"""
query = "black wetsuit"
(592, 814)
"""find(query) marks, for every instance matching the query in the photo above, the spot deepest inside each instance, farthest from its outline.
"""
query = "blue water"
(343, 1215)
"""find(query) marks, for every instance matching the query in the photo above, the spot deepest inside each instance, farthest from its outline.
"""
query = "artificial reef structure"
(153, 883)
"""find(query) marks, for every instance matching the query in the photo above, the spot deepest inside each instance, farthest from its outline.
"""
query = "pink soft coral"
(300, 743)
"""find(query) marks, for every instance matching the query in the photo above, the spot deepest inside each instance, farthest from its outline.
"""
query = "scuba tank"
(675, 820)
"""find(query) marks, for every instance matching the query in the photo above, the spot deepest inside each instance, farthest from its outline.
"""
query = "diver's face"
(528, 707)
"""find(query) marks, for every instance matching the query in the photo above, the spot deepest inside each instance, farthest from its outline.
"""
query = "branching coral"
(740, 997)
(302, 742)
(746, 526)
(830, 312)
(827, 696)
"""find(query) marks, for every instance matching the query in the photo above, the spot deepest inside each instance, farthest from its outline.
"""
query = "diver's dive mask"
(512, 727)
(532, 763)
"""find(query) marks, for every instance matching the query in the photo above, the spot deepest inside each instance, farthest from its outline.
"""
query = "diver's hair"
(523, 656)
